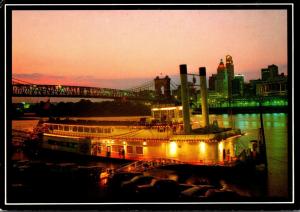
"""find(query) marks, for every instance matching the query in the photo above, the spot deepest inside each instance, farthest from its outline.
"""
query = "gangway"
(19, 136)
(145, 165)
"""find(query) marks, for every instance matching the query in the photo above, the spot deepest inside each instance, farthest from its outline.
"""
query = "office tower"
(238, 85)
(222, 80)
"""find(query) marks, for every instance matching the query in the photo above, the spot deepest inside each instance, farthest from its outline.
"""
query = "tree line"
(84, 108)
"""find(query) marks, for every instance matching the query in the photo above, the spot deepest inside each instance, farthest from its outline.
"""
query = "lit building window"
(139, 150)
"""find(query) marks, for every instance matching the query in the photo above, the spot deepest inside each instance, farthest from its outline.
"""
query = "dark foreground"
(56, 179)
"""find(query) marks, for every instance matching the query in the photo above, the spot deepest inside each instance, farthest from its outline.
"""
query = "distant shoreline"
(213, 111)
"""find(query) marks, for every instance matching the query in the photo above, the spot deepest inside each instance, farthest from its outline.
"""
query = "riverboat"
(159, 136)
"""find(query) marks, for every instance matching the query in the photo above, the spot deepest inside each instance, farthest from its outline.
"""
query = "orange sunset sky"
(124, 48)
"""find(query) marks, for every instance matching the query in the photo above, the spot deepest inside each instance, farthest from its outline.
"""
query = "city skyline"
(113, 49)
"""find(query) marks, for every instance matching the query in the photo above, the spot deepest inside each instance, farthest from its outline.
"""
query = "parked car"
(88, 174)
(185, 186)
(131, 185)
(221, 195)
(195, 193)
(115, 180)
(20, 163)
(159, 190)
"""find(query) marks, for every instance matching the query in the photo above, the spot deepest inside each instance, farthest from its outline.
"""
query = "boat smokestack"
(185, 99)
(203, 90)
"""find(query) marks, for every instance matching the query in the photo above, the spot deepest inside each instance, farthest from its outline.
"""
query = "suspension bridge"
(148, 91)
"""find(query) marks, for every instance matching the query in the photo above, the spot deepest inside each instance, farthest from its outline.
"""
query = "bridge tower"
(162, 87)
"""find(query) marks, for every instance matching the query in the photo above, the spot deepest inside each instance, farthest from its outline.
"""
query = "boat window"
(129, 149)
(80, 129)
(93, 130)
(172, 114)
(51, 141)
(62, 144)
(115, 148)
(55, 127)
(156, 114)
(60, 127)
(66, 144)
(108, 130)
(99, 130)
(73, 145)
(180, 114)
(66, 128)
(58, 143)
(75, 129)
(86, 129)
(139, 150)
(164, 115)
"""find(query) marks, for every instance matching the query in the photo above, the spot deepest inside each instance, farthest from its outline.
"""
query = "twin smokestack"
(185, 97)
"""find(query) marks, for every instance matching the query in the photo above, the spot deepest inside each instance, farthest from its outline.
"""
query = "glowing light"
(221, 146)
(173, 148)
(144, 143)
(202, 147)
(63, 136)
(235, 136)
(167, 108)
(124, 143)
(173, 177)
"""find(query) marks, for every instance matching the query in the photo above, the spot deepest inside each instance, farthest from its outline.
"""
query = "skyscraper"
(212, 82)
(269, 73)
(273, 71)
(265, 74)
(230, 72)
(230, 67)
(238, 85)
(222, 80)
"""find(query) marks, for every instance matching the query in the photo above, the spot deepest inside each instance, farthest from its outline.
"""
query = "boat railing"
(229, 162)
(144, 165)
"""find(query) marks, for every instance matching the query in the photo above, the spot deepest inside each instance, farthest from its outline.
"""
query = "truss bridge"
(145, 91)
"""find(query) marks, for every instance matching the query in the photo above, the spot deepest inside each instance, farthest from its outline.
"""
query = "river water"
(276, 133)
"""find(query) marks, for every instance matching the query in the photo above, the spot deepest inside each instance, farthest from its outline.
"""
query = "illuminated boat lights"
(167, 108)
(62, 136)
(178, 138)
